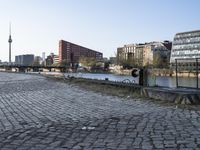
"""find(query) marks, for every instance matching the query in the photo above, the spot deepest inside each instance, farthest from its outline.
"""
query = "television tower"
(10, 41)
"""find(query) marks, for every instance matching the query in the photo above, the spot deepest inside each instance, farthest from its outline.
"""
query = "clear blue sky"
(103, 25)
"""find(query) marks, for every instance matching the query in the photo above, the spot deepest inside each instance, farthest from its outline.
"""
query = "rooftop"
(188, 32)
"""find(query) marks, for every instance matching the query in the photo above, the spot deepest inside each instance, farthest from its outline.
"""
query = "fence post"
(176, 73)
(197, 73)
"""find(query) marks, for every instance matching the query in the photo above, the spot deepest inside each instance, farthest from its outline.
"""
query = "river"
(159, 80)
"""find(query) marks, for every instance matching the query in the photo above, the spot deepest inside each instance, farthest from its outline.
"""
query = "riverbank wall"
(177, 96)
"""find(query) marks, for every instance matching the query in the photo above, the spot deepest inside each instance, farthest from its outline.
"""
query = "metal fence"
(189, 67)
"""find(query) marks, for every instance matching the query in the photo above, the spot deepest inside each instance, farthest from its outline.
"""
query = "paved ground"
(37, 113)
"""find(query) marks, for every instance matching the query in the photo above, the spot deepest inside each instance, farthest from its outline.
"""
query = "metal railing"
(193, 66)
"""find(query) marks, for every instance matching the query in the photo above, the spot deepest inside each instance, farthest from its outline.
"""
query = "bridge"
(32, 68)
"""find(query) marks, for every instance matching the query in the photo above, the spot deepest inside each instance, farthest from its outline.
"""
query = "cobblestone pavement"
(38, 113)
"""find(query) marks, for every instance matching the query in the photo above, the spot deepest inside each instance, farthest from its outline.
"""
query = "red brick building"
(72, 52)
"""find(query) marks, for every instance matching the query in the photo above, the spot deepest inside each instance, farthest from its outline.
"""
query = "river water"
(152, 81)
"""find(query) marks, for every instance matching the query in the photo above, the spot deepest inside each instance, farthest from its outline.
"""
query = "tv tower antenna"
(10, 41)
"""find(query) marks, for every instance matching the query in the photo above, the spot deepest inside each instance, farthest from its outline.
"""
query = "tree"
(87, 61)
(64, 63)
(160, 61)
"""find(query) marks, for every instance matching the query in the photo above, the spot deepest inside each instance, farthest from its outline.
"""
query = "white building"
(186, 46)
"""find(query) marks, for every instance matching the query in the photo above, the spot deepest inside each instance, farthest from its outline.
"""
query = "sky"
(102, 25)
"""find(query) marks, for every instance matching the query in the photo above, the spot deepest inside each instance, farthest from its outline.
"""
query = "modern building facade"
(25, 60)
(37, 60)
(43, 56)
(186, 46)
(56, 59)
(144, 54)
(71, 52)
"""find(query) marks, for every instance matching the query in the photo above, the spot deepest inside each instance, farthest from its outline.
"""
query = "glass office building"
(186, 48)
(25, 60)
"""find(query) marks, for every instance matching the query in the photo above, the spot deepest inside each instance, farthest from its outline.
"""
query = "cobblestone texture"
(37, 113)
